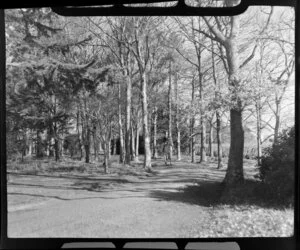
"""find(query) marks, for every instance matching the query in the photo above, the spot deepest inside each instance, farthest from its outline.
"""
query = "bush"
(277, 167)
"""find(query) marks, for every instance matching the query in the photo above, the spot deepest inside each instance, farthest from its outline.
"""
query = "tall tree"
(230, 41)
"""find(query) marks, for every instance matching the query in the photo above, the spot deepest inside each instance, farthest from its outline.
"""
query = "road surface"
(107, 206)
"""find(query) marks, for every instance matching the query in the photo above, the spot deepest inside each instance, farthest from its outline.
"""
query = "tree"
(188, 30)
(105, 114)
(230, 41)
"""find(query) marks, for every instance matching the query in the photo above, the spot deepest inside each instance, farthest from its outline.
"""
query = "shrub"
(277, 167)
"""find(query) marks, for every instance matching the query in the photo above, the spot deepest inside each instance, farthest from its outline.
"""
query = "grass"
(250, 221)
(69, 166)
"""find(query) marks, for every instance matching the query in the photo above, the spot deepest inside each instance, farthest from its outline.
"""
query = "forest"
(153, 92)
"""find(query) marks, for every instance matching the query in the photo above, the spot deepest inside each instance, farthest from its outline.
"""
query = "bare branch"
(219, 36)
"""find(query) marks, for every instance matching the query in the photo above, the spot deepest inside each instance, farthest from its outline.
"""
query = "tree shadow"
(214, 193)
(205, 194)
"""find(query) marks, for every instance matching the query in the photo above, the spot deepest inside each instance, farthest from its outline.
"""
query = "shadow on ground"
(206, 193)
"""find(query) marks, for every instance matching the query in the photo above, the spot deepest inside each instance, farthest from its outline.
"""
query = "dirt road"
(106, 206)
(164, 205)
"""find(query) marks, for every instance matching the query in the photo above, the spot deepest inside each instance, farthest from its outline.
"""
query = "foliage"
(277, 169)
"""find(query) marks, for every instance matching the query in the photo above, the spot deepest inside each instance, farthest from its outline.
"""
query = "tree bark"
(122, 150)
(234, 173)
(147, 158)
(56, 146)
(170, 115)
(218, 118)
(114, 146)
(133, 153)
(106, 157)
(192, 124)
(137, 140)
(210, 141)
(277, 121)
(202, 123)
(155, 133)
(109, 142)
(258, 133)
(87, 145)
(219, 140)
(177, 119)
(128, 119)
(39, 150)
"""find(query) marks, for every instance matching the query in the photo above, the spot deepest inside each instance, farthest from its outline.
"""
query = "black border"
(181, 10)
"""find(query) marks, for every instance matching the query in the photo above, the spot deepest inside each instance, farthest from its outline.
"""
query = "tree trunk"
(202, 122)
(106, 157)
(114, 146)
(122, 149)
(137, 139)
(155, 133)
(218, 118)
(30, 147)
(96, 147)
(87, 146)
(109, 142)
(210, 140)
(128, 119)
(147, 158)
(79, 134)
(177, 119)
(56, 143)
(258, 132)
(132, 144)
(234, 173)
(203, 157)
(192, 124)
(56, 148)
(277, 122)
(170, 116)
(219, 141)
(39, 150)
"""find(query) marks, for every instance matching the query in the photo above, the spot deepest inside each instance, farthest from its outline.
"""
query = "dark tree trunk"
(56, 143)
(258, 133)
(39, 149)
(96, 146)
(106, 157)
(56, 148)
(155, 133)
(219, 141)
(87, 146)
(234, 173)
